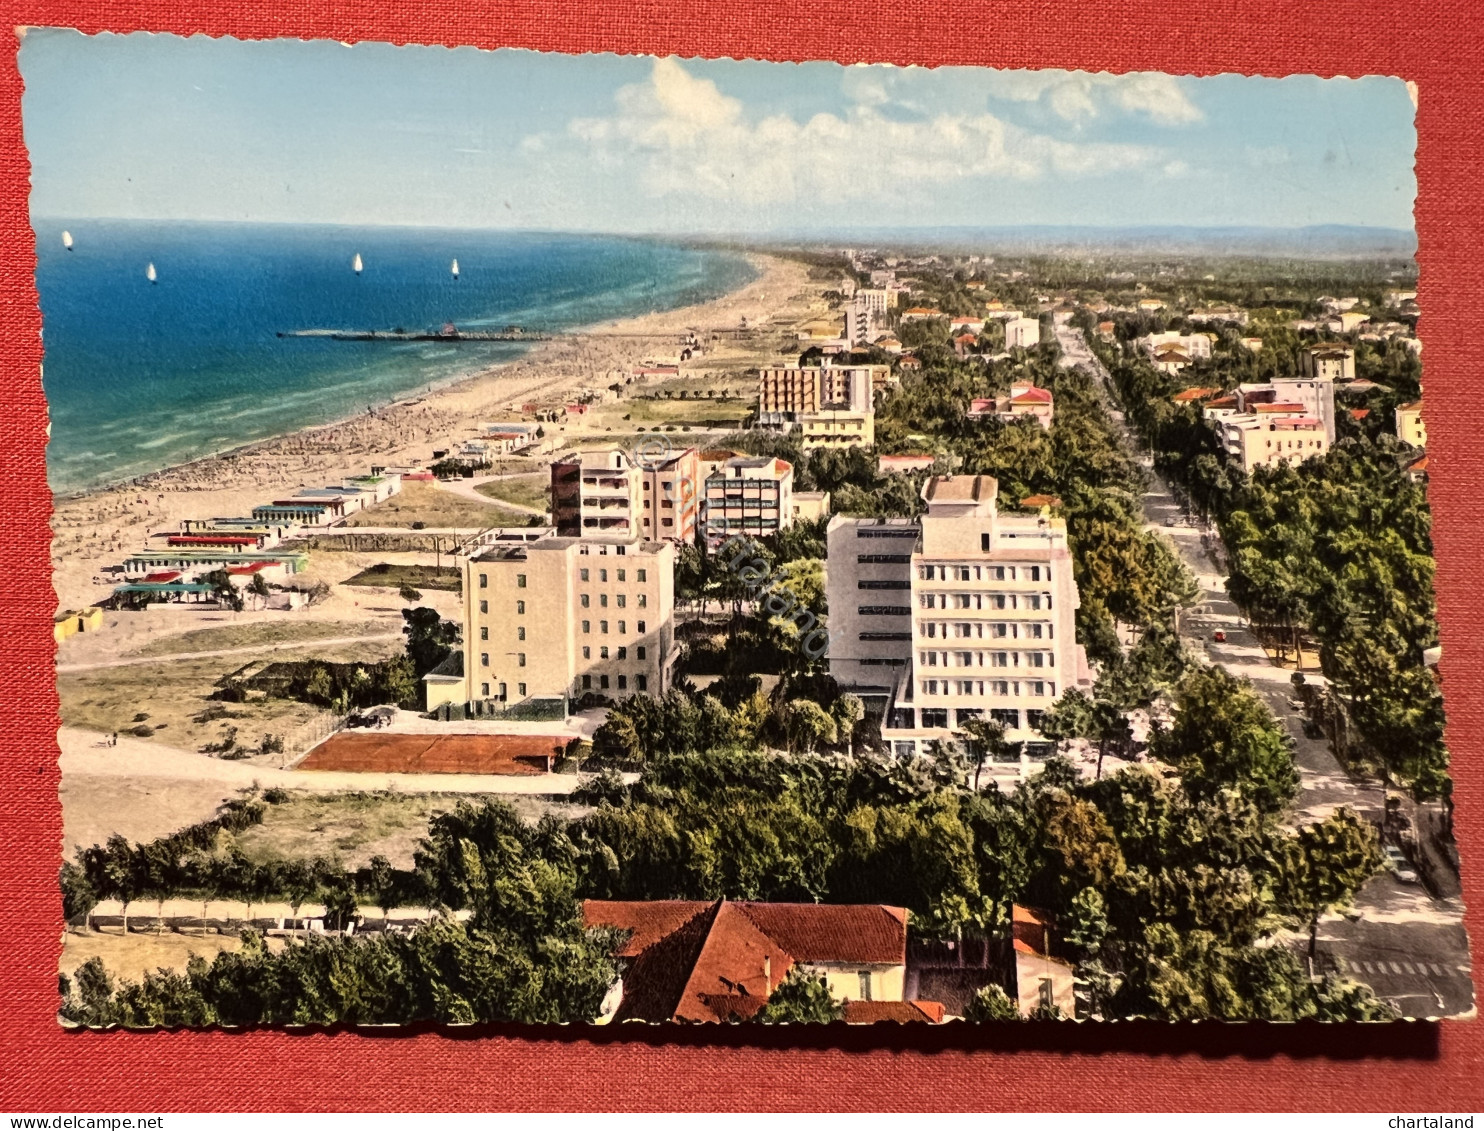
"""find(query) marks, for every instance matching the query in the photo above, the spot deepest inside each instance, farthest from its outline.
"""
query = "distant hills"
(1320, 241)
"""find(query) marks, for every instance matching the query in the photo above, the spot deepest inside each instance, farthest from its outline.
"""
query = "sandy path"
(98, 528)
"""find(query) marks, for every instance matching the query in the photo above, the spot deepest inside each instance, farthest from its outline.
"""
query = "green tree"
(986, 741)
(1323, 865)
(808, 725)
(409, 594)
(990, 1003)
(801, 998)
(430, 638)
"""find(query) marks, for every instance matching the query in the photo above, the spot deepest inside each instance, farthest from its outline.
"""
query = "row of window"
(995, 630)
(996, 659)
(936, 718)
(883, 559)
(620, 599)
(484, 691)
(484, 632)
(884, 610)
(888, 532)
(1032, 601)
(623, 653)
(883, 585)
(984, 573)
(1038, 688)
(623, 627)
(641, 683)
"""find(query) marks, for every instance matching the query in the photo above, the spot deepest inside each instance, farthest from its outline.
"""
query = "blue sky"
(158, 126)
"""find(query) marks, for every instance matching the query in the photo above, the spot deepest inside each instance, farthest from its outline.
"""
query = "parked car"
(1398, 864)
(1219, 636)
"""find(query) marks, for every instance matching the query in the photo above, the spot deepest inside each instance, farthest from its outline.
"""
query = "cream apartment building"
(1409, 426)
(962, 613)
(606, 494)
(550, 621)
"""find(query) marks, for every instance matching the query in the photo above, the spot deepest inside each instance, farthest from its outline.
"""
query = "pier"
(510, 334)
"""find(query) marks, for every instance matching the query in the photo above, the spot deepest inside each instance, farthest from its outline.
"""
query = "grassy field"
(395, 575)
(251, 635)
(130, 956)
(523, 491)
(354, 827)
(171, 698)
(432, 506)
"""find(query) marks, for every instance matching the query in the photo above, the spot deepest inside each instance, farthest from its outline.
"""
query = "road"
(1408, 946)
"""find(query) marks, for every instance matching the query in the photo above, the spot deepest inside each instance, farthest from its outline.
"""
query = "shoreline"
(90, 526)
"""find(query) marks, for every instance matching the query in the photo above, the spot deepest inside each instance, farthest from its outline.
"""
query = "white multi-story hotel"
(959, 614)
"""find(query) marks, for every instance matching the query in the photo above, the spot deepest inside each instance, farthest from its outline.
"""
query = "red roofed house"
(1025, 399)
(692, 960)
(1186, 396)
(1041, 981)
(921, 314)
(908, 361)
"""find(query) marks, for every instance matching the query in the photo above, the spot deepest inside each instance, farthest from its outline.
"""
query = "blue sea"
(141, 376)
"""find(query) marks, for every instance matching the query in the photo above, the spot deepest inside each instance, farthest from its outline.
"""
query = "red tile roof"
(868, 1012)
(1197, 394)
(1040, 501)
(1360, 413)
(1223, 402)
(699, 961)
(1033, 395)
(380, 752)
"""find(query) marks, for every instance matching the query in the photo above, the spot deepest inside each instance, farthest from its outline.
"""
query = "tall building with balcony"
(832, 405)
(752, 496)
(551, 621)
(606, 494)
(963, 613)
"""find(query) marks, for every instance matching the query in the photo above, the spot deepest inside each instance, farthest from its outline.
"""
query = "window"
(963, 573)
(587, 653)
(585, 600)
(999, 687)
(502, 692)
(622, 600)
(484, 691)
(934, 717)
(484, 659)
(603, 682)
(640, 574)
(582, 574)
(1036, 573)
(640, 652)
(623, 683)
(520, 608)
(1033, 600)
(603, 600)
(484, 632)
(641, 627)
(520, 689)
(623, 653)
(1009, 716)
(621, 574)
(865, 980)
(520, 659)
(484, 581)
(587, 683)
(484, 606)
(623, 627)
(930, 659)
(602, 575)
(520, 581)
(1033, 631)
(642, 681)
(603, 652)
(520, 633)
(1035, 659)
(984, 543)
(603, 626)
(999, 659)
(587, 626)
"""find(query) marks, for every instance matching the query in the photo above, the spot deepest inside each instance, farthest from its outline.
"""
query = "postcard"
(593, 539)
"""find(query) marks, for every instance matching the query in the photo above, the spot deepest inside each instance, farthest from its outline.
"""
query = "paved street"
(1409, 947)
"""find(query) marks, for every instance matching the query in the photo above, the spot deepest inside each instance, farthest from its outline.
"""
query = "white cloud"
(1078, 97)
(690, 138)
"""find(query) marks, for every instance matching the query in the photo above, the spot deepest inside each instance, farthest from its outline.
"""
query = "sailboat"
(356, 263)
(149, 273)
(455, 268)
(67, 240)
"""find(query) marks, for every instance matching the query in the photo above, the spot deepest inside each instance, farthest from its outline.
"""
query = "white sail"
(149, 273)
(455, 268)
(356, 264)
(67, 240)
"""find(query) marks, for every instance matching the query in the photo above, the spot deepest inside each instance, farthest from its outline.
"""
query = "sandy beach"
(95, 529)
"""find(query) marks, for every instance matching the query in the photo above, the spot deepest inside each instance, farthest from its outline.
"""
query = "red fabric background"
(1411, 1066)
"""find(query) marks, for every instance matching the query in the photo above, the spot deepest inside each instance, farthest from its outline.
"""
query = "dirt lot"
(95, 807)
(353, 827)
(130, 956)
(251, 635)
(173, 697)
(426, 503)
(391, 575)
(523, 491)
